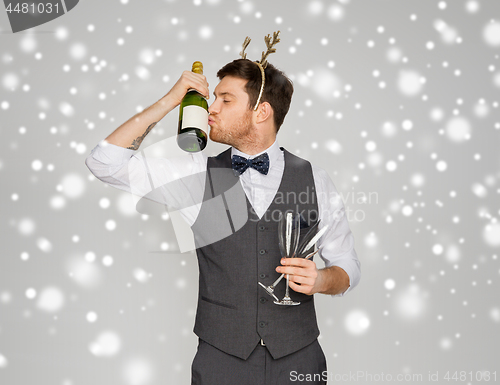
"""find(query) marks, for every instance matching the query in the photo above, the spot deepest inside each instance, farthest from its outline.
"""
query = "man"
(244, 338)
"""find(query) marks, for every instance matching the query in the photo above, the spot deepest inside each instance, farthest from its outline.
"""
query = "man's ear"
(264, 112)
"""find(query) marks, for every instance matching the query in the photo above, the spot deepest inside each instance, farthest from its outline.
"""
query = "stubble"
(239, 135)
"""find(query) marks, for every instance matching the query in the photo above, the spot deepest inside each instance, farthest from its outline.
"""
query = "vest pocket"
(218, 303)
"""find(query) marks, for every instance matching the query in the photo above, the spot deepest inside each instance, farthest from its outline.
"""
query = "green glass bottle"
(193, 118)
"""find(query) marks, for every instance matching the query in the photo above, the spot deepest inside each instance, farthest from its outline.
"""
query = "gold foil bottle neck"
(197, 67)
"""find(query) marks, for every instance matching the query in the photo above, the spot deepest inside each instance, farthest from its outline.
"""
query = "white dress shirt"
(134, 172)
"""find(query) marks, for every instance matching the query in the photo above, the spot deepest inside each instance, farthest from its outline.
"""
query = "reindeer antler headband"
(270, 43)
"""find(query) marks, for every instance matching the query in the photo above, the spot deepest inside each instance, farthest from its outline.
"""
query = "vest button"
(262, 251)
(263, 300)
(262, 275)
(262, 228)
(262, 324)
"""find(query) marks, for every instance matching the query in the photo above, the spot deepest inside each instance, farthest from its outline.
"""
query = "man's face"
(230, 118)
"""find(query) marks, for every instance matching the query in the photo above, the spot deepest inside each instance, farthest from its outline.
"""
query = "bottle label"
(194, 117)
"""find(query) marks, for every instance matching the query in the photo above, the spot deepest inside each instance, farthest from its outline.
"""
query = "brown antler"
(270, 43)
(245, 45)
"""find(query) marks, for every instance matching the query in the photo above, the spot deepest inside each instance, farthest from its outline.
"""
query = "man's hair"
(278, 89)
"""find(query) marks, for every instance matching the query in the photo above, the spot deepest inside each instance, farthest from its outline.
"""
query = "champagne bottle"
(193, 118)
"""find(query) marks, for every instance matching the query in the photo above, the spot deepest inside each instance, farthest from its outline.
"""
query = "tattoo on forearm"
(137, 141)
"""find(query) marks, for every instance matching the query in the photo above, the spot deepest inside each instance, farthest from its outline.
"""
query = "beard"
(239, 134)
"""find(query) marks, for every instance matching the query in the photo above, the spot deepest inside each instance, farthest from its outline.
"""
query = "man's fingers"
(298, 262)
(306, 289)
(298, 270)
(189, 80)
(290, 270)
(302, 280)
(196, 81)
(302, 273)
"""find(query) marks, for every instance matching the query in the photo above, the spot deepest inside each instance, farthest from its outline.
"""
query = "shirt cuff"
(111, 154)
(351, 267)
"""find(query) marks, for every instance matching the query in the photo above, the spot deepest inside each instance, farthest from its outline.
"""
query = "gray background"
(411, 125)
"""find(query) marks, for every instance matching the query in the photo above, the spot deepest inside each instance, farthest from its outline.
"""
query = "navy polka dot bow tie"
(260, 163)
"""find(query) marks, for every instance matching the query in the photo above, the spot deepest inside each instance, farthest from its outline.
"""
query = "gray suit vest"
(234, 313)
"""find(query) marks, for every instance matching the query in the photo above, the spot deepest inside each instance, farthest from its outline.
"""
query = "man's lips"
(211, 121)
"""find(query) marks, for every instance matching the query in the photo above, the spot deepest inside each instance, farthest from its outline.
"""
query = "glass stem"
(287, 293)
(277, 281)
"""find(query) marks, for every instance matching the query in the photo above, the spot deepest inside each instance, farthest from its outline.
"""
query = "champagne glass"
(270, 289)
(308, 241)
(305, 244)
(288, 235)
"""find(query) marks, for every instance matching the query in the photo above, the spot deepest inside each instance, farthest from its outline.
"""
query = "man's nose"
(213, 109)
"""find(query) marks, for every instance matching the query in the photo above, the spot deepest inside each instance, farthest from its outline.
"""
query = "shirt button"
(262, 228)
(263, 300)
(262, 276)
(262, 251)
(262, 324)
